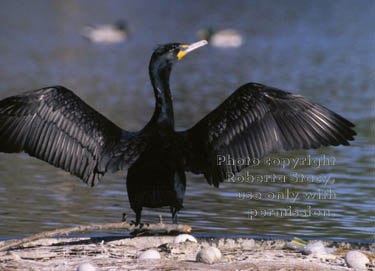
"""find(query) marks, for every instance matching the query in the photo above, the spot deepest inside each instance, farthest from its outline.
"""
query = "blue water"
(323, 50)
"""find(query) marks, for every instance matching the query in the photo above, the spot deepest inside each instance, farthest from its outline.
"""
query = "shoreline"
(119, 253)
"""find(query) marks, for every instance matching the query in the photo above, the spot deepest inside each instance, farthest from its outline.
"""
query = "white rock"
(230, 243)
(356, 260)
(181, 238)
(86, 267)
(221, 243)
(150, 254)
(248, 244)
(209, 255)
(316, 248)
(206, 255)
(217, 252)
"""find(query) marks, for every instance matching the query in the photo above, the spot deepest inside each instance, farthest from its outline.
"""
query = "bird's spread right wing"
(254, 121)
(55, 125)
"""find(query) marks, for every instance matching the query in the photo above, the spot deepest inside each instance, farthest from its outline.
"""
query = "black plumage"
(55, 125)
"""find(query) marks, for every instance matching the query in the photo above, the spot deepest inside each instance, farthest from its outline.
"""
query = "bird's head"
(172, 52)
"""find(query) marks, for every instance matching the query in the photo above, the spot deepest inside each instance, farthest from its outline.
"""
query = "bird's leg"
(123, 217)
(174, 214)
(138, 217)
(138, 213)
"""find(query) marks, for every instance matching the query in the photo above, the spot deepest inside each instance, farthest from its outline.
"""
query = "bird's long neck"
(163, 114)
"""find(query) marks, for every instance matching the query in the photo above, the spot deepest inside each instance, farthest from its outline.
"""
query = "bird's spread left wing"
(254, 121)
(55, 125)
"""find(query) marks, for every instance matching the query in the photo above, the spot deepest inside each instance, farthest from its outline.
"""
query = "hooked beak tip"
(191, 47)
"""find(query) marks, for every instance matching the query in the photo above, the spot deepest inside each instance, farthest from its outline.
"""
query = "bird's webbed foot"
(137, 221)
(139, 225)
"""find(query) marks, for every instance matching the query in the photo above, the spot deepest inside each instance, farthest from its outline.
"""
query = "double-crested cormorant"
(55, 125)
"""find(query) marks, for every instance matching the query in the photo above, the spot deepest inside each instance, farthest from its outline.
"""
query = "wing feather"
(257, 120)
(55, 125)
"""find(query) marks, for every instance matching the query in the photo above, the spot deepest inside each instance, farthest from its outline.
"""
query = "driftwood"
(158, 227)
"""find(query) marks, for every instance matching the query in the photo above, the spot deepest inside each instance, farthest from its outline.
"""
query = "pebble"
(217, 252)
(316, 248)
(248, 244)
(150, 254)
(86, 267)
(356, 260)
(230, 243)
(209, 255)
(181, 238)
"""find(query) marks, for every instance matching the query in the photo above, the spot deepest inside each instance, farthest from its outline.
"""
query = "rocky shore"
(168, 253)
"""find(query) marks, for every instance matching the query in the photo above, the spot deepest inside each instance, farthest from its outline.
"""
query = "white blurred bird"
(107, 33)
(221, 38)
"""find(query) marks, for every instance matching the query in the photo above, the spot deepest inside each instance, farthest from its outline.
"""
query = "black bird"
(55, 125)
